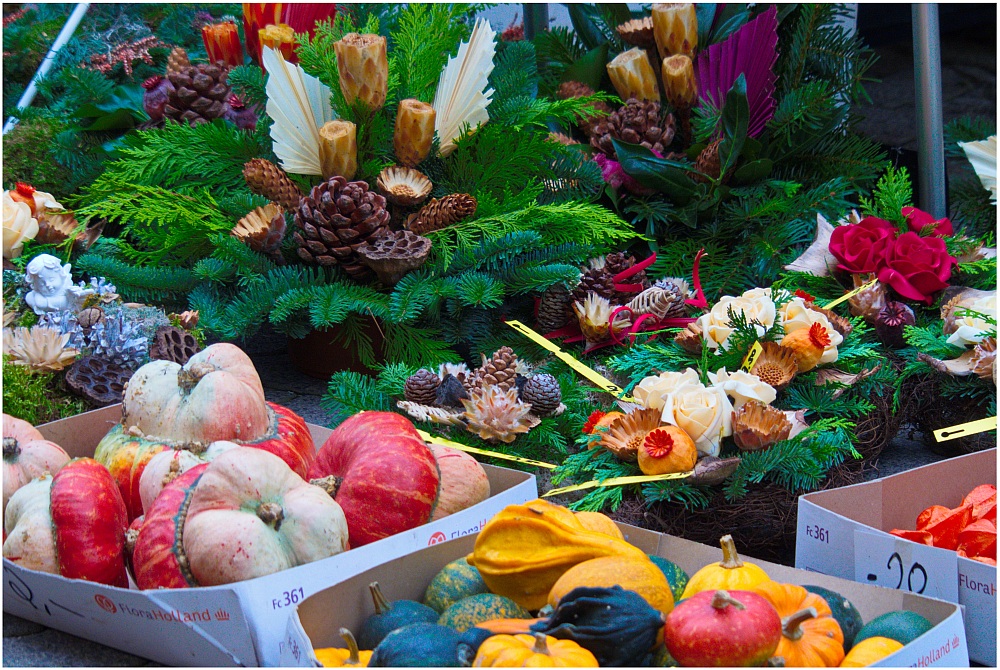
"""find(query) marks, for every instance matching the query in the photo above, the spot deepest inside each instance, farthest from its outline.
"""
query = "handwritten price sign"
(890, 562)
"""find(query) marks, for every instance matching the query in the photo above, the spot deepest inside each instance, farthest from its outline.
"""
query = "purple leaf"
(751, 51)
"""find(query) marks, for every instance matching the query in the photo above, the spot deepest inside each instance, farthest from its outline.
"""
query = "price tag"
(755, 351)
(618, 481)
(605, 383)
(848, 296)
(966, 429)
(891, 562)
(427, 437)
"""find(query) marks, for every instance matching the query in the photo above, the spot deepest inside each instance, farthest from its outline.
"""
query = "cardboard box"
(842, 532)
(348, 603)
(232, 625)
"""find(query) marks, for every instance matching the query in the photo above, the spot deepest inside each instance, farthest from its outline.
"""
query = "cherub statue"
(52, 288)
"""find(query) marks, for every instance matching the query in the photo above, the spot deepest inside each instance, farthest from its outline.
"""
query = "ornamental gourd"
(870, 651)
(70, 524)
(730, 574)
(463, 481)
(26, 455)
(390, 616)
(810, 636)
(532, 651)
(167, 465)
(378, 468)
(640, 575)
(216, 395)
(332, 657)
(244, 515)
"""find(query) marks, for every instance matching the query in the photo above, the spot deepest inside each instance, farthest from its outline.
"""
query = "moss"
(26, 157)
(37, 397)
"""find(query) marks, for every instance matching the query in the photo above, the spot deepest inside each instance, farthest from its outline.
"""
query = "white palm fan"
(299, 105)
(461, 98)
(983, 156)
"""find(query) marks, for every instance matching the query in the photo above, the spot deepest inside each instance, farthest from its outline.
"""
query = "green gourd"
(902, 626)
(844, 612)
(468, 612)
(456, 580)
(390, 616)
(617, 626)
(677, 578)
(421, 645)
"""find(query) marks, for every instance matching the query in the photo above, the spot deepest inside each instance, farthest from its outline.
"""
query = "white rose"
(971, 329)
(18, 226)
(756, 305)
(705, 414)
(794, 315)
(743, 386)
(652, 392)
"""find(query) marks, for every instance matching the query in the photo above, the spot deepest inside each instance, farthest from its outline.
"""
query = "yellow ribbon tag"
(618, 481)
(965, 429)
(848, 296)
(605, 383)
(427, 437)
(755, 351)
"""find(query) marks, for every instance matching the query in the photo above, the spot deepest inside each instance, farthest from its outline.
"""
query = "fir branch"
(152, 284)
(892, 193)
(249, 82)
(426, 35)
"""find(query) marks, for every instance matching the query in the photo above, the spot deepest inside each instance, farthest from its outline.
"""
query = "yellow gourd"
(525, 549)
(632, 574)
(600, 523)
(730, 574)
(870, 651)
(332, 657)
(532, 651)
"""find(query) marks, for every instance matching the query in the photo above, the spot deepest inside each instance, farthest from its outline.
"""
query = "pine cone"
(98, 380)
(177, 61)
(636, 123)
(575, 89)
(262, 230)
(267, 179)
(422, 387)
(335, 219)
(618, 262)
(543, 394)
(173, 344)
(499, 370)
(200, 93)
(438, 214)
(554, 309)
(708, 163)
(690, 338)
(594, 280)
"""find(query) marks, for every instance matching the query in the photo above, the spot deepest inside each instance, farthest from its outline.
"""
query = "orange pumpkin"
(509, 626)
(810, 636)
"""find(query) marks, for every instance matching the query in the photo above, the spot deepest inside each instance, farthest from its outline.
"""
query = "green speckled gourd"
(468, 612)
(844, 611)
(677, 578)
(902, 626)
(421, 645)
(456, 580)
(662, 658)
(390, 616)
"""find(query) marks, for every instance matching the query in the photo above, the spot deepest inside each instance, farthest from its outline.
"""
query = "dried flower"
(705, 414)
(626, 433)
(652, 392)
(757, 426)
(125, 53)
(776, 366)
(494, 414)
(743, 387)
(795, 316)
(222, 42)
(18, 226)
(39, 348)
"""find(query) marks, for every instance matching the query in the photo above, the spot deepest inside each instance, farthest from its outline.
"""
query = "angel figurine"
(52, 288)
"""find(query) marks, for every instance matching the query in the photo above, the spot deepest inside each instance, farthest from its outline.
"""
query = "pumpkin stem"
(722, 599)
(382, 604)
(540, 645)
(730, 559)
(330, 484)
(10, 448)
(790, 627)
(271, 514)
(188, 377)
(352, 646)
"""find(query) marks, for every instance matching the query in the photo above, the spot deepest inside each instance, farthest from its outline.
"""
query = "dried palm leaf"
(462, 97)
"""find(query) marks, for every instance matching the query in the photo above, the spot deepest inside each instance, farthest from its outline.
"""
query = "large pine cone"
(576, 89)
(267, 179)
(200, 93)
(554, 309)
(708, 163)
(335, 219)
(637, 122)
(594, 280)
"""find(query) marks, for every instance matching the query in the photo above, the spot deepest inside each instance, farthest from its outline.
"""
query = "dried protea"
(757, 426)
(690, 339)
(984, 359)
(775, 366)
(626, 433)
(633, 76)
(40, 349)
(594, 315)
(807, 345)
(839, 323)
(403, 186)
(638, 32)
(868, 302)
(892, 321)
(675, 27)
(494, 414)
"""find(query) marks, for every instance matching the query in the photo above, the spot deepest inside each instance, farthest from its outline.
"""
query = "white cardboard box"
(232, 625)
(843, 532)
(346, 604)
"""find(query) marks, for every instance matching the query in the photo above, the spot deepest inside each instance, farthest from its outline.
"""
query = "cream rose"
(971, 329)
(756, 305)
(652, 392)
(795, 315)
(705, 414)
(18, 226)
(743, 386)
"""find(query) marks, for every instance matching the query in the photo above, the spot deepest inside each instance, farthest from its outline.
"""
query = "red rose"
(861, 246)
(918, 220)
(917, 267)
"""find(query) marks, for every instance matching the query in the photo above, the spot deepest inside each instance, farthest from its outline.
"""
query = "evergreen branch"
(153, 284)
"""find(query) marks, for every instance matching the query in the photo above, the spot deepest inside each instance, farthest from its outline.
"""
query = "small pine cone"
(708, 163)
(177, 61)
(594, 280)
(438, 214)
(98, 380)
(575, 89)
(637, 122)
(200, 93)
(554, 309)
(173, 344)
(267, 179)
(500, 370)
(618, 262)
(262, 230)
(690, 338)
(542, 393)
(422, 387)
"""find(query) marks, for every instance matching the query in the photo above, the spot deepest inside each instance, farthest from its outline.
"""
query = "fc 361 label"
(288, 598)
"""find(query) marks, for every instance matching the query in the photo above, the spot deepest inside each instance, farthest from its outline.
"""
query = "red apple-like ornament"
(720, 628)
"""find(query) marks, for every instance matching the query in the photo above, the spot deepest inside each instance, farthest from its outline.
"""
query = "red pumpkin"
(26, 455)
(244, 515)
(463, 481)
(72, 524)
(719, 628)
(380, 471)
(215, 396)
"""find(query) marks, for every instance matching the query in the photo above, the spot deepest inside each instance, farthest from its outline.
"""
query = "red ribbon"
(699, 301)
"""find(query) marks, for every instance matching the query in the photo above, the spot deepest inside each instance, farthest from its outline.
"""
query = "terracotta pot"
(321, 353)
